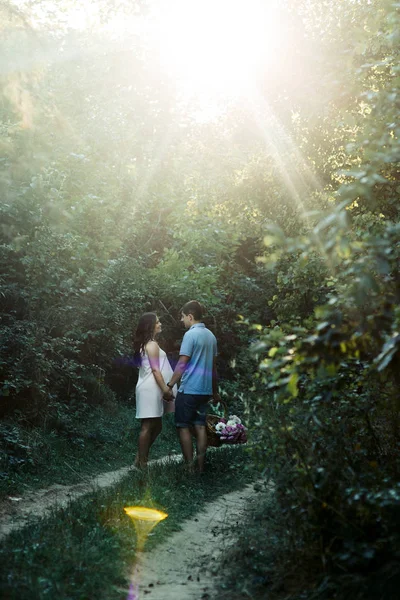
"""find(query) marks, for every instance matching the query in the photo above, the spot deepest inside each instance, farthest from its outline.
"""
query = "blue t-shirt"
(201, 345)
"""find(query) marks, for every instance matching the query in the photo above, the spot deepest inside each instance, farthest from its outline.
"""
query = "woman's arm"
(153, 352)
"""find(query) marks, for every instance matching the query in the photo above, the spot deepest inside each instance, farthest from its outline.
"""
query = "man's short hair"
(193, 308)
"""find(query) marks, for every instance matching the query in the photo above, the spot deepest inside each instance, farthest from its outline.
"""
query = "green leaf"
(292, 385)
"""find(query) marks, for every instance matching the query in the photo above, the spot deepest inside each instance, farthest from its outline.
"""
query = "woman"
(154, 373)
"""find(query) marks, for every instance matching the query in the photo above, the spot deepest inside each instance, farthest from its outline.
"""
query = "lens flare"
(144, 519)
(145, 514)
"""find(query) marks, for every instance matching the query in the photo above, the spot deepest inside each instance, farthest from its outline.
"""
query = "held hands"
(168, 395)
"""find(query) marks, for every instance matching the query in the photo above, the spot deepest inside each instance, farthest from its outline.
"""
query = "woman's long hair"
(143, 334)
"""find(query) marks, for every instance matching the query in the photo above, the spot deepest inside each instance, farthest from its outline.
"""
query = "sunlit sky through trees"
(214, 52)
(136, 81)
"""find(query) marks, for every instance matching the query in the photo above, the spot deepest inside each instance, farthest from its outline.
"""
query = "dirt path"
(15, 511)
(185, 567)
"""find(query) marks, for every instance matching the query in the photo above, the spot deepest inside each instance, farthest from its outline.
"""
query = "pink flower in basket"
(231, 431)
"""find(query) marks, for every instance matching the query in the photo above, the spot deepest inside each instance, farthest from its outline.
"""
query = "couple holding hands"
(187, 390)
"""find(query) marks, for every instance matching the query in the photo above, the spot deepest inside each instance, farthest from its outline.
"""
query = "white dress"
(149, 400)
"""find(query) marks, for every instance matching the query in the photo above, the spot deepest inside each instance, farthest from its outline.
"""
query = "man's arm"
(179, 370)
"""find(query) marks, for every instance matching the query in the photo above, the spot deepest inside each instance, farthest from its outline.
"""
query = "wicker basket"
(211, 420)
(212, 438)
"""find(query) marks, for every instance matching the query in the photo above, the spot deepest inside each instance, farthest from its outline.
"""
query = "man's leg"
(201, 445)
(182, 421)
(185, 439)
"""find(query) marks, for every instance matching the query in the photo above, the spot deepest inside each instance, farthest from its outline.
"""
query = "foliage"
(331, 413)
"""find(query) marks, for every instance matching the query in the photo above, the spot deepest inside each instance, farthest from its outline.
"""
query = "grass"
(264, 563)
(267, 562)
(85, 551)
(251, 568)
(105, 440)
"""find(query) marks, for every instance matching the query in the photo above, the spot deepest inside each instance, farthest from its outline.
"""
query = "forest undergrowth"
(103, 439)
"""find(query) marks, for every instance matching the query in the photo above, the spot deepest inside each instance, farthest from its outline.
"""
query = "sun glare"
(213, 51)
(216, 46)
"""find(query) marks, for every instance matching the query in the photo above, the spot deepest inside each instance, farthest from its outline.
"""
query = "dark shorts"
(190, 409)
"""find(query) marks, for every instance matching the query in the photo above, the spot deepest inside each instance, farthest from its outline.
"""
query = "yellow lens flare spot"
(144, 519)
(145, 514)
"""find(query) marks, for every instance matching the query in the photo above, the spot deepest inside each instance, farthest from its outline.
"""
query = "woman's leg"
(150, 429)
(156, 429)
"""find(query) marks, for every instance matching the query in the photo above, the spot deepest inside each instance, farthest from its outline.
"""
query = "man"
(196, 371)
